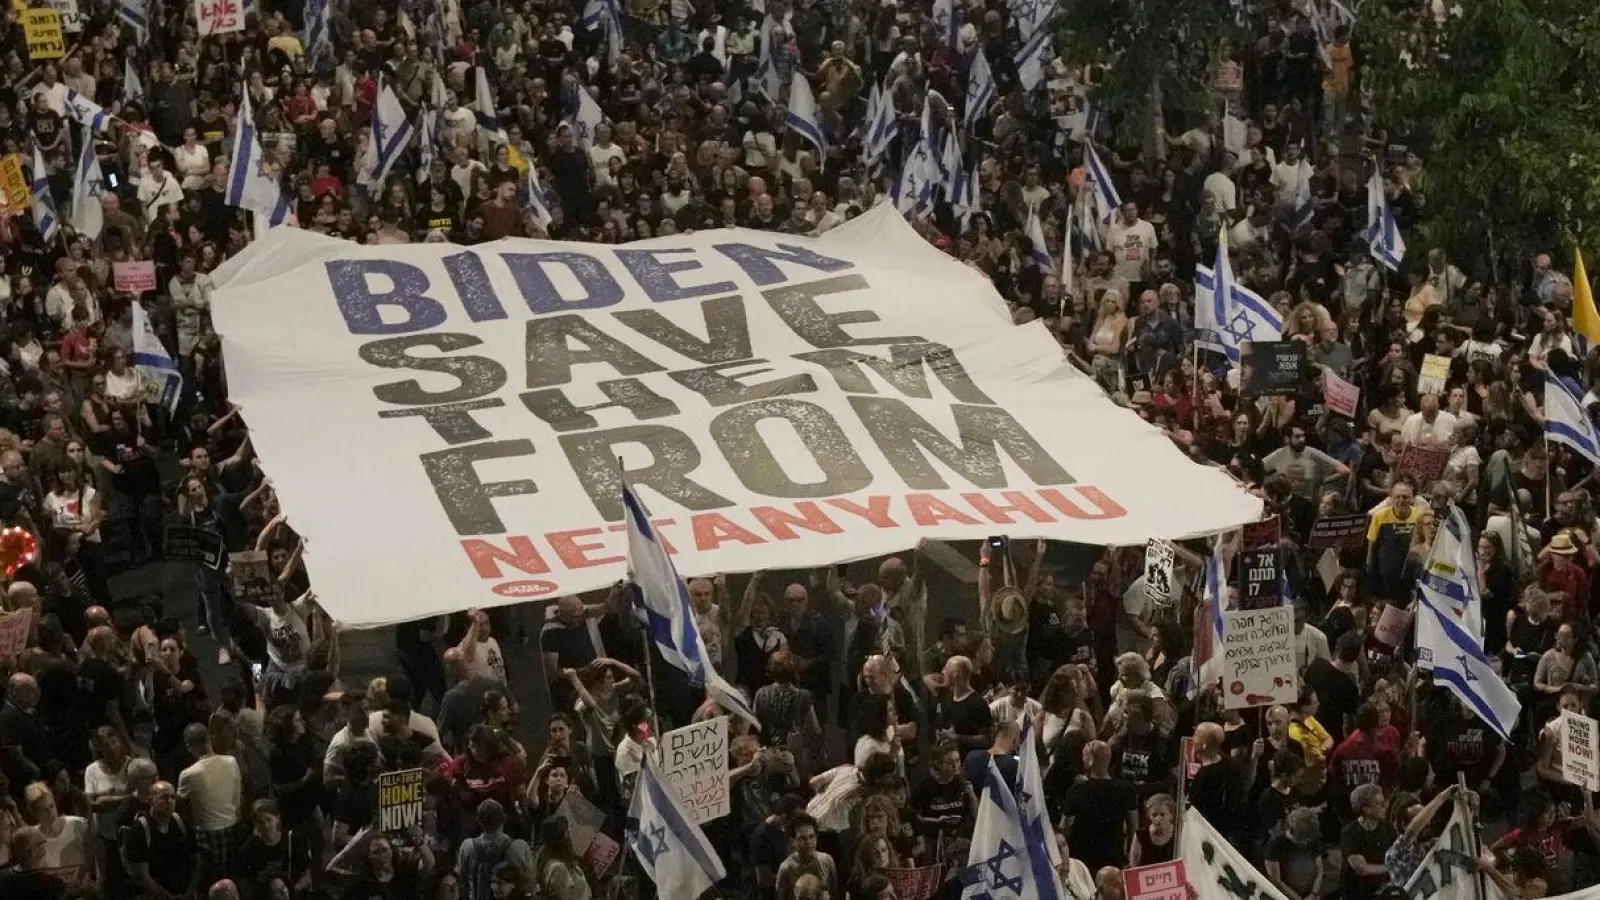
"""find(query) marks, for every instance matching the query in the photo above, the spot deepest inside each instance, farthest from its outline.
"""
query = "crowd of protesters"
(133, 767)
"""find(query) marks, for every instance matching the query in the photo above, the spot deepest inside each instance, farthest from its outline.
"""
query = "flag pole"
(1549, 470)
(644, 640)
(1475, 830)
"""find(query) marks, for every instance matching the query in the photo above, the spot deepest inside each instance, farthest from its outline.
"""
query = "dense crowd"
(134, 767)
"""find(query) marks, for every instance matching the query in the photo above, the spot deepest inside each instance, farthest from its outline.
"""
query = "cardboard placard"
(601, 856)
(1162, 881)
(1434, 374)
(1259, 658)
(1579, 764)
(1260, 566)
(14, 630)
(191, 543)
(400, 800)
(218, 16)
(71, 17)
(251, 578)
(1341, 396)
(1343, 531)
(1158, 572)
(14, 183)
(1273, 368)
(135, 276)
(1394, 623)
(42, 30)
(915, 884)
(1424, 463)
(695, 764)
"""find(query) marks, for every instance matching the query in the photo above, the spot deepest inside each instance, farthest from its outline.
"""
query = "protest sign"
(218, 16)
(777, 401)
(14, 630)
(1579, 765)
(915, 884)
(1260, 566)
(191, 543)
(695, 765)
(1345, 531)
(1273, 368)
(14, 183)
(1162, 881)
(42, 30)
(1259, 658)
(71, 17)
(1424, 463)
(1158, 572)
(1191, 764)
(1434, 374)
(1341, 396)
(1394, 623)
(400, 800)
(251, 578)
(135, 276)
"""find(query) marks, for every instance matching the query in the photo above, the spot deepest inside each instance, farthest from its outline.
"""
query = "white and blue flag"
(1227, 314)
(250, 185)
(605, 16)
(670, 847)
(1038, 44)
(801, 113)
(489, 126)
(45, 214)
(88, 184)
(945, 24)
(587, 119)
(1043, 852)
(768, 79)
(967, 201)
(1104, 193)
(1565, 419)
(132, 87)
(1206, 668)
(664, 603)
(391, 132)
(1039, 253)
(999, 864)
(912, 192)
(538, 199)
(428, 142)
(136, 15)
(980, 89)
(1383, 235)
(319, 36)
(879, 127)
(85, 111)
(153, 362)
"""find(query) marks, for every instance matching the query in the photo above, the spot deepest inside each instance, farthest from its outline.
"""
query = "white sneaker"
(224, 658)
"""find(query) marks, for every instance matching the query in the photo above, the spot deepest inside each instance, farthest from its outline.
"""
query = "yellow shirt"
(1341, 60)
(1311, 736)
(288, 45)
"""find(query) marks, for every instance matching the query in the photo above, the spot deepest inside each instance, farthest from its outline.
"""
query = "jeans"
(213, 603)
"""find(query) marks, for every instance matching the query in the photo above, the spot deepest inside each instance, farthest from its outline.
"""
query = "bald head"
(21, 595)
(101, 640)
(1208, 740)
(892, 573)
(97, 616)
(223, 890)
(1097, 757)
(455, 662)
(22, 691)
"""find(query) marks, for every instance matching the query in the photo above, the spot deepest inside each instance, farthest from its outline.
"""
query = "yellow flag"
(1585, 320)
(514, 156)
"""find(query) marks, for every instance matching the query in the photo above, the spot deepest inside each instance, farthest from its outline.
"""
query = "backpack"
(486, 854)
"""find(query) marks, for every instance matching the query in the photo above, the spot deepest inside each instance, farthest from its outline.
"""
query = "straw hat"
(1009, 609)
(1562, 545)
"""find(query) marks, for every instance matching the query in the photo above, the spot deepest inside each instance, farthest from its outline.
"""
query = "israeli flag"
(428, 136)
(980, 89)
(132, 87)
(319, 36)
(1458, 660)
(1228, 314)
(250, 185)
(135, 15)
(152, 361)
(967, 201)
(999, 863)
(483, 108)
(1033, 58)
(945, 24)
(664, 600)
(1565, 419)
(538, 200)
(878, 127)
(1450, 576)
(1383, 235)
(88, 218)
(1040, 253)
(768, 79)
(391, 132)
(85, 111)
(1043, 852)
(45, 215)
(588, 118)
(1069, 261)
(1206, 667)
(605, 16)
(1103, 190)
(912, 192)
(944, 149)
(801, 113)
(670, 847)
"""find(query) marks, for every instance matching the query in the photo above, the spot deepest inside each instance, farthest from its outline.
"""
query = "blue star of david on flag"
(652, 845)
(990, 875)
(1242, 327)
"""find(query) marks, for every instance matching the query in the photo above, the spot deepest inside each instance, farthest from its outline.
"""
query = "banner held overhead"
(782, 402)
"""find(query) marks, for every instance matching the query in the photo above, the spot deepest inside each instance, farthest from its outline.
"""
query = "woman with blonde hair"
(67, 839)
(1306, 320)
(1106, 339)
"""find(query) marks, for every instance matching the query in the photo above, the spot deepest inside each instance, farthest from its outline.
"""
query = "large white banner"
(447, 426)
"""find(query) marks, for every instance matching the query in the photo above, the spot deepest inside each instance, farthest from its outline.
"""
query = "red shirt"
(1568, 588)
(1363, 759)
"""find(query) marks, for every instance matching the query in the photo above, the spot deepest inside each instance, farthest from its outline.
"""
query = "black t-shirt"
(99, 684)
(1461, 746)
(1338, 693)
(969, 716)
(932, 800)
(1146, 760)
(169, 853)
(405, 885)
(1047, 640)
(1099, 809)
(1371, 846)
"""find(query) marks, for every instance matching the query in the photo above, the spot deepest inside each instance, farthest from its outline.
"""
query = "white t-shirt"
(214, 786)
(288, 635)
(1133, 246)
(97, 781)
(125, 387)
(489, 662)
(70, 510)
(1003, 710)
(1416, 430)
(67, 854)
